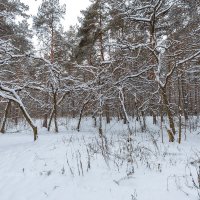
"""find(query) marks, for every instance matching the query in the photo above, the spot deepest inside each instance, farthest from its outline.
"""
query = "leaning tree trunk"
(15, 97)
(5, 116)
(50, 119)
(79, 120)
(29, 120)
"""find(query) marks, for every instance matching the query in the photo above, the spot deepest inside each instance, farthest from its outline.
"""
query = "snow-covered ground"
(76, 166)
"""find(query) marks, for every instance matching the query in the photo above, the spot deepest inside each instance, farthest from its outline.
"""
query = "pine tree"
(47, 23)
(48, 27)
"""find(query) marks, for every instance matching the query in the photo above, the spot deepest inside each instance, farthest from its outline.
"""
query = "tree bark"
(45, 120)
(30, 122)
(167, 110)
(44, 124)
(5, 117)
(50, 119)
(80, 115)
(107, 112)
(179, 110)
(55, 111)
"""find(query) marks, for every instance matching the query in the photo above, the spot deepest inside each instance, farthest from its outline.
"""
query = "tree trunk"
(107, 114)
(122, 100)
(184, 97)
(55, 111)
(100, 121)
(30, 122)
(95, 120)
(144, 127)
(167, 110)
(179, 109)
(50, 119)
(154, 118)
(161, 122)
(44, 124)
(80, 115)
(45, 116)
(5, 116)
(79, 121)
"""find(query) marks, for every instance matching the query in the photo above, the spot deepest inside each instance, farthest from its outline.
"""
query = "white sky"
(73, 8)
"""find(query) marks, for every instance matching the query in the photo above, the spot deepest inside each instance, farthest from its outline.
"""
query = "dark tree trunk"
(154, 118)
(167, 110)
(80, 115)
(3, 125)
(44, 124)
(50, 119)
(107, 114)
(55, 111)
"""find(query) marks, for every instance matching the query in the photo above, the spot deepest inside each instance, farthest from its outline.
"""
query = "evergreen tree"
(47, 23)
(92, 33)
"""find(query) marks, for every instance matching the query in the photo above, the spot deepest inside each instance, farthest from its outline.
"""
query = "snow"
(71, 165)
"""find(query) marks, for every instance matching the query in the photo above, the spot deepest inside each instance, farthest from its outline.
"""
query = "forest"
(118, 95)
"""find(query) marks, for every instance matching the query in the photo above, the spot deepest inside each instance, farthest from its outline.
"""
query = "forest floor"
(73, 165)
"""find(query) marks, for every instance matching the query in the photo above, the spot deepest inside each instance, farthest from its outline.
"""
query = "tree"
(10, 49)
(152, 44)
(47, 24)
